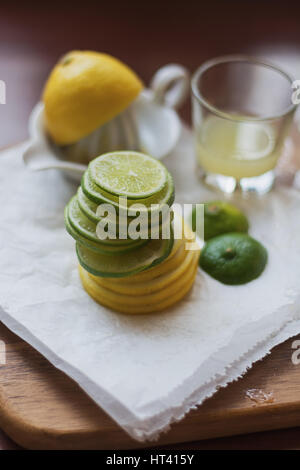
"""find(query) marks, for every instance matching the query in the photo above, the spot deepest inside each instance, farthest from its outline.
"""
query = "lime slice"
(86, 228)
(100, 247)
(130, 174)
(126, 264)
(80, 222)
(95, 194)
(157, 198)
(89, 207)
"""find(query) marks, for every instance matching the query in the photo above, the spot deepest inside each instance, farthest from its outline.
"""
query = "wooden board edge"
(195, 426)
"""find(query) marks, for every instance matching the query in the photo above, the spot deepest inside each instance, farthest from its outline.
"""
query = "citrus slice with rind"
(125, 264)
(151, 297)
(182, 289)
(172, 262)
(152, 203)
(85, 227)
(99, 246)
(136, 290)
(131, 174)
(176, 255)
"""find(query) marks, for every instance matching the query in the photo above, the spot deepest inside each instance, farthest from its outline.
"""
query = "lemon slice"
(151, 297)
(176, 256)
(131, 174)
(135, 290)
(173, 261)
(183, 286)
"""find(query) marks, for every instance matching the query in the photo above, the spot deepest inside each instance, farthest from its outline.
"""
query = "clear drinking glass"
(242, 111)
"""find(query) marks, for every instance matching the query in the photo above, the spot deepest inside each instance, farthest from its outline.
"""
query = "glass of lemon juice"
(242, 112)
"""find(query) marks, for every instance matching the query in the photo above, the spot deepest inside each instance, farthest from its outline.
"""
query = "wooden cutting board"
(41, 408)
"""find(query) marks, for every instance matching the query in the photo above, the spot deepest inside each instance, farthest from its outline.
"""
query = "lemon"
(233, 258)
(85, 90)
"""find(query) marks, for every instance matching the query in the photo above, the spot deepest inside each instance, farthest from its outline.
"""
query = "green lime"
(124, 264)
(131, 174)
(233, 258)
(221, 217)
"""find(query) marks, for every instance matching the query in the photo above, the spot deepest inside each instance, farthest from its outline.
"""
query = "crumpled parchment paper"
(144, 371)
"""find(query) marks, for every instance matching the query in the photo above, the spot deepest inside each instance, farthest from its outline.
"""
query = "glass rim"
(238, 58)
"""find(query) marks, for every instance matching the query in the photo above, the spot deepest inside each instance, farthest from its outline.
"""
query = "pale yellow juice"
(237, 148)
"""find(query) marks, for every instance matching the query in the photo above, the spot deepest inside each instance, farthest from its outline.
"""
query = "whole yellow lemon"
(85, 90)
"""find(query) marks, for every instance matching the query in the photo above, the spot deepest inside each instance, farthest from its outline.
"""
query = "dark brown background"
(146, 35)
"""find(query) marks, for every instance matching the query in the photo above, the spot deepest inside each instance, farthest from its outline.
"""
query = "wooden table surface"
(146, 35)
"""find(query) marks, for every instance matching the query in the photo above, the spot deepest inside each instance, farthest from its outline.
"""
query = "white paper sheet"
(144, 371)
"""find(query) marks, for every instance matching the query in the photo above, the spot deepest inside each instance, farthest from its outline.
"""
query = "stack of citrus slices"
(132, 271)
